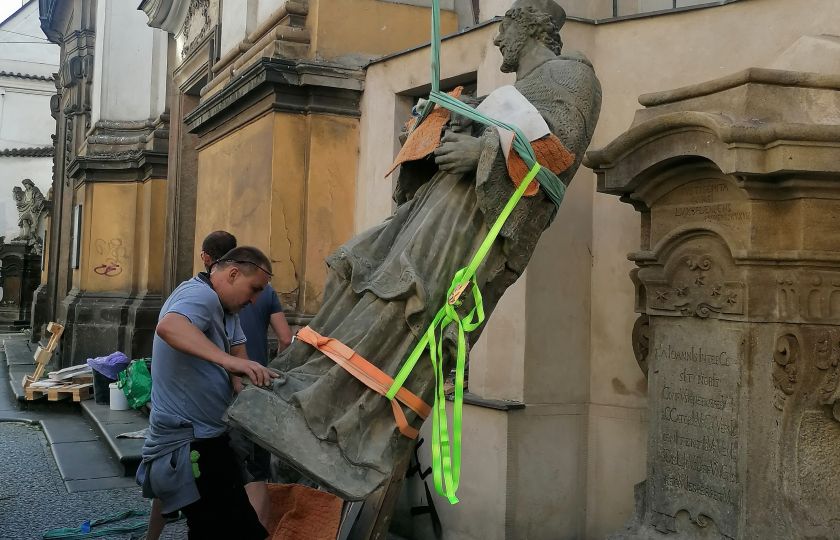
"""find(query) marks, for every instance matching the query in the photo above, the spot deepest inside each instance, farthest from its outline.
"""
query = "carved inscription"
(695, 427)
(714, 201)
(703, 203)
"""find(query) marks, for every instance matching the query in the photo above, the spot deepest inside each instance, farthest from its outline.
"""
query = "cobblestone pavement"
(33, 498)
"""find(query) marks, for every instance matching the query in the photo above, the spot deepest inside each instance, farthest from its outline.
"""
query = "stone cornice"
(123, 166)
(122, 151)
(46, 11)
(298, 86)
(772, 77)
(726, 123)
(167, 15)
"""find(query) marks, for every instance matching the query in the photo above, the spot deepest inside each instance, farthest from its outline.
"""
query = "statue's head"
(17, 193)
(528, 22)
(28, 183)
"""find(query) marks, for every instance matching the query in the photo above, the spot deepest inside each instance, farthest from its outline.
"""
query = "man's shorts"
(223, 511)
(255, 460)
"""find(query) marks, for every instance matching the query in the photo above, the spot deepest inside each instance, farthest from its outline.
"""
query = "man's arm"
(281, 329)
(180, 334)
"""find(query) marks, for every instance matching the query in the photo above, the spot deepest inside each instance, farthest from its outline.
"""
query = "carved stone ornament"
(641, 342)
(785, 365)
(697, 279)
(31, 210)
(196, 25)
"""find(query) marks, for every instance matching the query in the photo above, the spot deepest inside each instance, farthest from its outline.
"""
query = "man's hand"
(458, 153)
(256, 372)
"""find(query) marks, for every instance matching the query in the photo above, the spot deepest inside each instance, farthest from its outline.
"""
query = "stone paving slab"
(85, 460)
(97, 484)
(66, 428)
(19, 351)
(16, 373)
(103, 414)
(108, 424)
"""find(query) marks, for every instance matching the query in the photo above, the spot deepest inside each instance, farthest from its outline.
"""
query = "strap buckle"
(456, 294)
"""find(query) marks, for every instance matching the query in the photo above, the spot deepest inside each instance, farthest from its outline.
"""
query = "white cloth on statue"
(507, 105)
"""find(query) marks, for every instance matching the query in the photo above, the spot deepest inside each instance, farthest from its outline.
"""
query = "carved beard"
(511, 50)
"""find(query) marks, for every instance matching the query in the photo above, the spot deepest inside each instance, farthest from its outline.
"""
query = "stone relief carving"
(809, 296)
(698, 292)
(196, 24)
(786, 358)
(696, 280)
(641, 342)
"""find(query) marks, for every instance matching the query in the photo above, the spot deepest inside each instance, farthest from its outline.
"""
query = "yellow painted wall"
(108, 237)
(286, 184)
(234, 186)
(121, 248)
(150, 235)
(291, 134)
(330, 197)
(378, 27)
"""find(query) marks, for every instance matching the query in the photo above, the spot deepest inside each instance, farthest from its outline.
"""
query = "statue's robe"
(386, 285)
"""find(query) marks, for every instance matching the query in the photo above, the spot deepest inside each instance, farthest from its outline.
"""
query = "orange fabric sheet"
(426, 137)
(302, 513)
(550, 153)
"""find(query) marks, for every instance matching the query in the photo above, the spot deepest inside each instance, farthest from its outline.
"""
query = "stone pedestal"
(738, 291)
(20, 275)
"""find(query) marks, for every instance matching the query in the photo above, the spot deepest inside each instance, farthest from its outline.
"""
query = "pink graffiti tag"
(109, 270)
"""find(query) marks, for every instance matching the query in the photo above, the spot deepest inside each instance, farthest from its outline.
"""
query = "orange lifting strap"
(370, 375)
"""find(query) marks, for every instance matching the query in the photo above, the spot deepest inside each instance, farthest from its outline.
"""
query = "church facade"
(277, 121)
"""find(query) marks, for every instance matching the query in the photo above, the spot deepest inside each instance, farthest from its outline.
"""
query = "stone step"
(108, 424)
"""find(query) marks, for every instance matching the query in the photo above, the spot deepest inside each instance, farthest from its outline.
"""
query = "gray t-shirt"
(187, 386)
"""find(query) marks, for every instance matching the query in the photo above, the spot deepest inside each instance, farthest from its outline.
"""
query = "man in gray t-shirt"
(198, 347)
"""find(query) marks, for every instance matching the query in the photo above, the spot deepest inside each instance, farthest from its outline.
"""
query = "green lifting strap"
(446, 450)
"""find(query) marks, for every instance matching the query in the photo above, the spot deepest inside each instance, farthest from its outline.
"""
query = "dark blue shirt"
(255, 319)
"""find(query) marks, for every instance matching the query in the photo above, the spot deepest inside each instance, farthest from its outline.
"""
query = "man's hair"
(217, 243)
(540, 25)
(247, 258)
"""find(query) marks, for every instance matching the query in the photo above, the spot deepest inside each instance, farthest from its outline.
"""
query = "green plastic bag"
(136, 383)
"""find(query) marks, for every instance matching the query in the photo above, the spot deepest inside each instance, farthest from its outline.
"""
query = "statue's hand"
(458, 153)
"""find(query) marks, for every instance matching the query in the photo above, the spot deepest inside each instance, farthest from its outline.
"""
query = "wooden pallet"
(42, 358)
(75, 391)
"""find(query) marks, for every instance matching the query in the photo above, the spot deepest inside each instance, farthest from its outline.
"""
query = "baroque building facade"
(277, 120)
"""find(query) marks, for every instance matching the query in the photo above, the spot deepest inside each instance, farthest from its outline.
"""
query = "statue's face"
(511, 41)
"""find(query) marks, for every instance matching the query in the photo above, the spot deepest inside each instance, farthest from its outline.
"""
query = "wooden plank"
(55, 394)
(374, 518)
(82, 392)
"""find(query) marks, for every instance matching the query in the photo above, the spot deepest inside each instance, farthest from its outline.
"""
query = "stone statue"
(385, 285)
(30, 206)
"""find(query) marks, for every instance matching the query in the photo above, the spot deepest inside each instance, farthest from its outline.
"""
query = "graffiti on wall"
(115, 256)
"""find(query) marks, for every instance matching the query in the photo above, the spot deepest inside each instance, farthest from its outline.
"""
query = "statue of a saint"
(386, 284)
(30, 205)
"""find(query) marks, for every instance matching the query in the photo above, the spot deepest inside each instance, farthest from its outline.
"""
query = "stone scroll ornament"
(381, 330)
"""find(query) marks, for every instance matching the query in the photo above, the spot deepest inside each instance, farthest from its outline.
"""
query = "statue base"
(288, 437)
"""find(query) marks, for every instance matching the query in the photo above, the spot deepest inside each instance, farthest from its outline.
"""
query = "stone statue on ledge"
(30, 206)
(385, 285)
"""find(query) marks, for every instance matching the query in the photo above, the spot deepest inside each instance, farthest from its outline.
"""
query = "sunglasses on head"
(244, 262)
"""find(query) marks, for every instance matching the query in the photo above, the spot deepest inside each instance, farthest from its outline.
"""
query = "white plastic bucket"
(118, 401)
